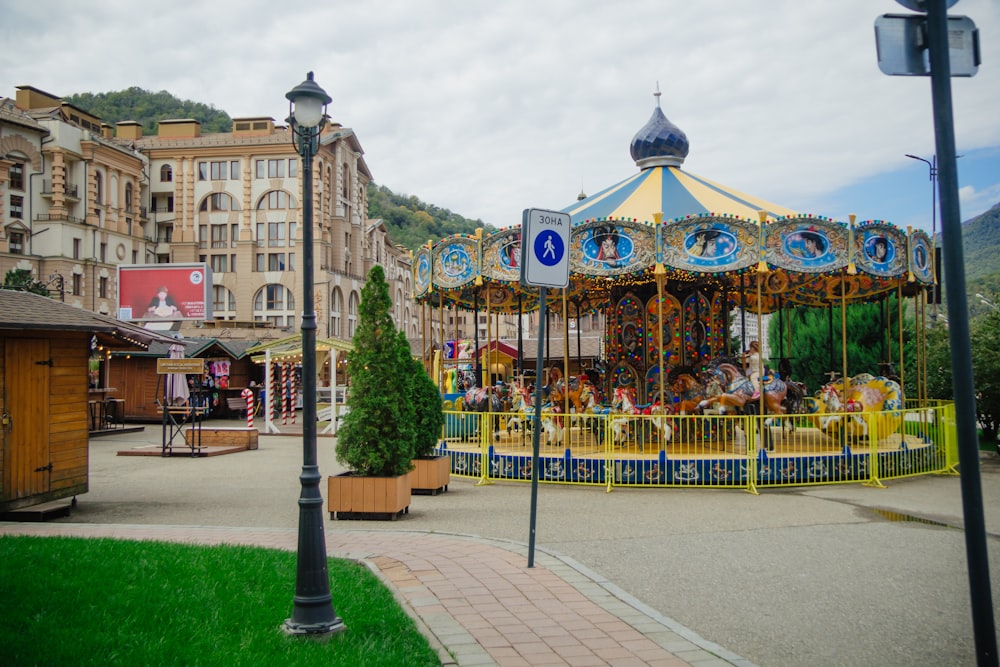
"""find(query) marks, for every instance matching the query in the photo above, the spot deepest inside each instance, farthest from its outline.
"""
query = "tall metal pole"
(536, 423)
(312, 611)
(984, 629)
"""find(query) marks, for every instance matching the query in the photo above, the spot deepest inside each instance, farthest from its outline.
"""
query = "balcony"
(69, 190)
(50, 217)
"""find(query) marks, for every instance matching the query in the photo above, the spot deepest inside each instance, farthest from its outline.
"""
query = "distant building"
(81, 198)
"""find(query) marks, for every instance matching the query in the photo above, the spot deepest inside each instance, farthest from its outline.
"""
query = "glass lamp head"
(307, 103)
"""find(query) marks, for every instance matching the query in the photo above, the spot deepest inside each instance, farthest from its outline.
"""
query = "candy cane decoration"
(295, 394)
(248, 394)
(284, 394)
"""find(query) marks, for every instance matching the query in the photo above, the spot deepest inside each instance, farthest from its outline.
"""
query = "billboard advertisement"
(164, 292)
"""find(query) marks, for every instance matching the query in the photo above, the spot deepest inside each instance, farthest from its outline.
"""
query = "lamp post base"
(317, 631)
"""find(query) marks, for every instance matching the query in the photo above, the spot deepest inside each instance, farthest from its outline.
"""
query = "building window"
(102, 287)
(234, 234)
(352, 314)
(99, 187)
(76, 248)
(293, 168)
(260, 235)
(166, 173)
(292, 228)
(104, 252)
(234, 170)
(274, 200)
(258, 262)
(275, 261)
(16, 181)
(128, 196)
(275, 234)
(336, 303)
(218, 201)
(223, 302)
(275, 168)
(16, 206)
(219, 239)
(15, 243)
(77, 284)
(275, 304)
(202, 236)
(220, 263)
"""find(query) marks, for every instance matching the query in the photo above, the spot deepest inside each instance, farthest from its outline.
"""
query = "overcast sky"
(487, 108)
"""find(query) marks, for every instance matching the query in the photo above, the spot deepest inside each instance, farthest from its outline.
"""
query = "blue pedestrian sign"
(545, 248)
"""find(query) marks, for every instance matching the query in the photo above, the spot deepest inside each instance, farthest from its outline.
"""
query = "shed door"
(27, 404)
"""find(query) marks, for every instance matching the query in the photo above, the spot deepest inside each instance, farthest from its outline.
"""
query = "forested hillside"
(981, 249)
(147, 108)
(412, 222)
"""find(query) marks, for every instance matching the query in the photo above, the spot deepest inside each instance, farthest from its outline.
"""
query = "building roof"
(25, 311)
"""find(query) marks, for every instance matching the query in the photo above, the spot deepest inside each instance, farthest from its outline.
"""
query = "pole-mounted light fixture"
(312, 610)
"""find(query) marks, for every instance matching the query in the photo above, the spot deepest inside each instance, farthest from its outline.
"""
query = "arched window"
(275, 200)
(218, 201)
(352, 314)
(166, 173)
(275, 304)
(128, 196)
(336, 304)
(223, 303)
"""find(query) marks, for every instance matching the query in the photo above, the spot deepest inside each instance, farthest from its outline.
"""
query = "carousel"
(670, 261)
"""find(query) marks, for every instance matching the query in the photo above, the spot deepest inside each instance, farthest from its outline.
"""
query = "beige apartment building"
(81, 198)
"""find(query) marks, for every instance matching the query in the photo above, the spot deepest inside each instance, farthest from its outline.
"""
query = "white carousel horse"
(622, 408)
(524, 413)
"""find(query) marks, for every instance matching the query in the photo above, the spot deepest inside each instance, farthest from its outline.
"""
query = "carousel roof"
(665, 221)
(661, 186)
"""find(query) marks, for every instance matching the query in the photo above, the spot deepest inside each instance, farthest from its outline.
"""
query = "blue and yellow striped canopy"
(673, 192)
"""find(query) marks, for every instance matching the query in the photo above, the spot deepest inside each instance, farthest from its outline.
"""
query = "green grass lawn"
(68, 601)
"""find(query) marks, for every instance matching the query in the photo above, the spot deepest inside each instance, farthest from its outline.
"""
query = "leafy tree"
(813, 352)
(379, 433)
(411, 222)
(148, 108)
(23, 280)
(984, 336)
(430, 414)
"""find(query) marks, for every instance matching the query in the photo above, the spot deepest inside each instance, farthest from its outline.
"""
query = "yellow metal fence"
(726, 451)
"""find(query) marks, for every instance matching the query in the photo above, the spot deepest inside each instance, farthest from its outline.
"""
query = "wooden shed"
(142, 389)
(45, 348)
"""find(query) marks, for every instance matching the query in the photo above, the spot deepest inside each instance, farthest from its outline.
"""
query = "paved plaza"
(829, 575)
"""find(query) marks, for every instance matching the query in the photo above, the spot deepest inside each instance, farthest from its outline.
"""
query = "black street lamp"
(312, 611)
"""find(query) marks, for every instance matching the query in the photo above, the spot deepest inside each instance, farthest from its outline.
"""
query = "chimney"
(129, 130)
(254, 126)
(29, 97)
(182, 128)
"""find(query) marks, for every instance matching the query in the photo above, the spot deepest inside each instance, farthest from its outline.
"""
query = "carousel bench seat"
(223, 436)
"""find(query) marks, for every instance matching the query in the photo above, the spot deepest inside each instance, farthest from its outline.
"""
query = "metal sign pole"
(536, 424)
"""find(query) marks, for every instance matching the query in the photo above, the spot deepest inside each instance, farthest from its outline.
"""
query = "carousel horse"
(739, 390)
(690, 393)
(488, 400)
(521, 407)
(622, 407)
(866, 393)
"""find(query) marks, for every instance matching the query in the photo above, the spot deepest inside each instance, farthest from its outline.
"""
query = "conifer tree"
(429, 411)
(378, 434)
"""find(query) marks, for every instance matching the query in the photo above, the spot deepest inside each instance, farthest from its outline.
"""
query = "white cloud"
(490, 108)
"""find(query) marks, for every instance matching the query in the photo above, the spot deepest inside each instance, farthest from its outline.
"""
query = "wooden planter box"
(356, 497)
(430, 476)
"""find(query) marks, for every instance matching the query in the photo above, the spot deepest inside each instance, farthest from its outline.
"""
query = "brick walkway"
(475, 599)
